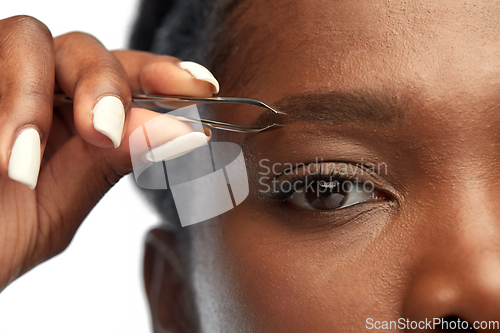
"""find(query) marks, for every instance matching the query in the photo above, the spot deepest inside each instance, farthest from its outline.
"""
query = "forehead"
(433, 48)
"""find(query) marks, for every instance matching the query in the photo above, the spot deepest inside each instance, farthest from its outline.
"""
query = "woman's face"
(404, 96)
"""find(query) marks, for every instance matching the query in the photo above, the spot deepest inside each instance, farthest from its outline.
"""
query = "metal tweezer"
(209, 100)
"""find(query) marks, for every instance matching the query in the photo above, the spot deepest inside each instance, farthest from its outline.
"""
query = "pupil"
(328, 195)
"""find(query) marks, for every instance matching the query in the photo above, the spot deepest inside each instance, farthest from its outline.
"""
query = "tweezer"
(212, 100)
(209, 100)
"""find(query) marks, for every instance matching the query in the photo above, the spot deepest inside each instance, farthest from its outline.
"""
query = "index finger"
(165, 75)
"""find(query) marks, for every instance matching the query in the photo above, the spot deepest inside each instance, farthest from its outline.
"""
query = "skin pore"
(414, 85)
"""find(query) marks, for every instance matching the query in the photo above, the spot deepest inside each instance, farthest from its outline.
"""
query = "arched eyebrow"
(361, 107)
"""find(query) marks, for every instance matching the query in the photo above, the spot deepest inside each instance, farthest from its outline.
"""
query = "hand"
(82, 150)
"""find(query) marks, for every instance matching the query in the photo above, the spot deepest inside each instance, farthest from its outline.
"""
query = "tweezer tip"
(273, 110)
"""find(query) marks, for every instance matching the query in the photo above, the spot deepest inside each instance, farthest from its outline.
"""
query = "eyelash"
(289, 177)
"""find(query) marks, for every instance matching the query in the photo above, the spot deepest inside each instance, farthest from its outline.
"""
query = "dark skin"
(430, 247)
(78, 163)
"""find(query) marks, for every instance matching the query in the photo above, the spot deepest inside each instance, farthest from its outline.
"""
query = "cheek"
(299, 281)
(217, 296)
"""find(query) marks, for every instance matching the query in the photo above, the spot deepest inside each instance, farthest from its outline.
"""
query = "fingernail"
(201, 73)
(24, 162)
(177, 147)
(109, 116)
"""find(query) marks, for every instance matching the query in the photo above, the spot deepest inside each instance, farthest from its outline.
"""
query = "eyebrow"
(379, 108)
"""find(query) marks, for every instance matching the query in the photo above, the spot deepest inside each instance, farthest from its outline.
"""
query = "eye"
(321, 195)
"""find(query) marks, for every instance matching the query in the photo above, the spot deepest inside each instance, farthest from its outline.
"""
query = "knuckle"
(107, 74)
(104, 74)
(29, 90)
(34, 92)
(26, 89)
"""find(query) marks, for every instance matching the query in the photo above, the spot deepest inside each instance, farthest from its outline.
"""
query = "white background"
(95, 285)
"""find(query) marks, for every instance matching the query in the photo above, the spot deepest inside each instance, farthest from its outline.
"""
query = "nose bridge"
(458, 272)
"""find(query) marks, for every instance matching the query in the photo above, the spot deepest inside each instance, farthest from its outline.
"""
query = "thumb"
(79, 174)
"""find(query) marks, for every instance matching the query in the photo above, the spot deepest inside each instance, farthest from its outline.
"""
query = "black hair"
(182, 28)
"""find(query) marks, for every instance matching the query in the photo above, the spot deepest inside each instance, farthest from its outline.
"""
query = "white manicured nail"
(201, 73)
(109, 117)
(24, 162)
(177, 147)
